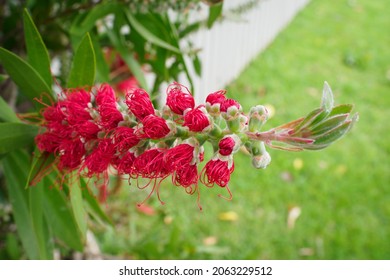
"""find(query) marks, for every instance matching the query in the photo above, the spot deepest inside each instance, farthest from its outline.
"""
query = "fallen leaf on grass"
(293, 214)
(229, 216)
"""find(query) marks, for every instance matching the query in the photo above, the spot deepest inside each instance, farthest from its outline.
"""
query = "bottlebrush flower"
(179, 155)
(154, 127)
(99, 159)
(150, 164)
(91, 136)
(124, 138)
(48, 142)
(71, 153)
(186, 176)
(139, 103)
(196, 119)
(76, 107)
(229, 144)
(124, 164)
(217, 171)
(229, 103)
(216, 97)
(107, 107)
(178, 100)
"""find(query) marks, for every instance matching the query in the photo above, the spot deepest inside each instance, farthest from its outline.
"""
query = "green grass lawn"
(342, 192)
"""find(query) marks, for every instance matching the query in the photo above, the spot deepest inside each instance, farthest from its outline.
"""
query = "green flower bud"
(258, 115)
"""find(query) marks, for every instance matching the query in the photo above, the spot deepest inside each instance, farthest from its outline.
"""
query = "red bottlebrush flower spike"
(92, 134)
(178, 100)
(196, 119)
(139, 104)
(154, 127)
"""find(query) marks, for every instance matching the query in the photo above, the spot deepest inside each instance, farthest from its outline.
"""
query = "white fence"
(230, 45)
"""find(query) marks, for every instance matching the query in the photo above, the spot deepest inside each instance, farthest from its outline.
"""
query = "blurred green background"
(331, 204)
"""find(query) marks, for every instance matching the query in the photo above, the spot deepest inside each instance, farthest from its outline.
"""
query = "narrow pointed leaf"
(102, 68)
(327, 98)
(147, 35)
(16, 135)
(26, 78)
(38, 56)
(83, 68)
(77, 203)
(42, 164)
(15, 170)
(45, 242)
(59, 215)
(215, 12)
(94, 207)
(6, 113)
(333, 135)
(329, 124)
(341, 109)
(309, 119)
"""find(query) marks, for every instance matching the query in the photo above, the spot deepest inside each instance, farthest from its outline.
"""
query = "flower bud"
(139, 103)
(229, 145)
(154, 127)
(178, 100)
(258, 115)
(261, 161)
(196, 119)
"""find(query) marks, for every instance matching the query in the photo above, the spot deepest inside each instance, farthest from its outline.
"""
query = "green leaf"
(45, 242)
(6, 113)
(83, 68)
(16, 135)
(127, 56)
(215, 12)
(341, 109)
(149, 36)
(77, 203)
(102, 69)
(329, 124)
(309, 119)
(94, 14)
(38, 56)
(327, 98)
(59, 215)
(197, 65)
(41, 165)
(94, 207)
(26, 78)
(31, 226)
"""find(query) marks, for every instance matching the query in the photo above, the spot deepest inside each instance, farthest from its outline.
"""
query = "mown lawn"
(342, 193)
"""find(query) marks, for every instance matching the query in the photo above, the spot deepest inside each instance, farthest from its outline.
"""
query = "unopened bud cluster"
(91, 131)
